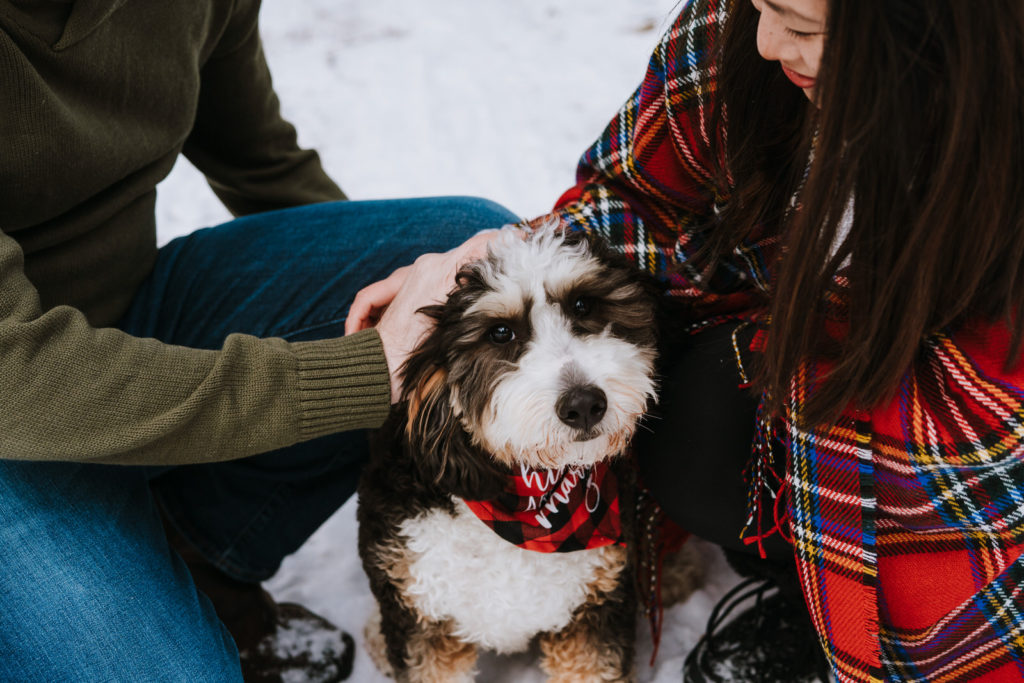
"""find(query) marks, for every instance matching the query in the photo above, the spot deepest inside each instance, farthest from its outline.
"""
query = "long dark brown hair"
(920, 119)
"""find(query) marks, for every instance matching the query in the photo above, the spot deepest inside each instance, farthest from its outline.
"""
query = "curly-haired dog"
(501, 457)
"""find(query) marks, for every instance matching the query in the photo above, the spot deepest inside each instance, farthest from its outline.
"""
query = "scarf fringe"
(763, 481)
(657, 538)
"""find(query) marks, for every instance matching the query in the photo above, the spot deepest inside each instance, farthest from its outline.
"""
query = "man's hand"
(392, 303)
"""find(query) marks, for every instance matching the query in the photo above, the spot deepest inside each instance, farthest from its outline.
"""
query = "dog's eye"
(501, 334)
(583, 306)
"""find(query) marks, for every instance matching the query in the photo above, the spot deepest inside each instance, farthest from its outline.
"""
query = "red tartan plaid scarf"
(574, 508)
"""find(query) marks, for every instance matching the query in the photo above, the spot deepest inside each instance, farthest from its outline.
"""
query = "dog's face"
(543, 356)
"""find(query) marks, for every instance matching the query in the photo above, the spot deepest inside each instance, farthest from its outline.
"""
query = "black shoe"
(771, 642)
(301, 646)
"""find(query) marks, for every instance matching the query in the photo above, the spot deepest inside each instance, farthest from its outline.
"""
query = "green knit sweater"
(99, 98)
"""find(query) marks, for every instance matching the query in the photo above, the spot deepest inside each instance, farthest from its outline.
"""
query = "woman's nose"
(772, 42)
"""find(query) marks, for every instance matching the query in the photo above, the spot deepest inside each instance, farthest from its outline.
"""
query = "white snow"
(402, 98)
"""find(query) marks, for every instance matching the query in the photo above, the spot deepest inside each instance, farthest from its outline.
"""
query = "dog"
(501, 456)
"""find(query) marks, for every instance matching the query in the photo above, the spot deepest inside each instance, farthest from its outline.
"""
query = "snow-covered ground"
(403, 98)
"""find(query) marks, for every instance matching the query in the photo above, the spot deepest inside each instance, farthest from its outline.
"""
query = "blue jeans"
(89, 589)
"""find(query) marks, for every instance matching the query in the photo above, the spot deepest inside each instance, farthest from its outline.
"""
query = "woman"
(833, 189)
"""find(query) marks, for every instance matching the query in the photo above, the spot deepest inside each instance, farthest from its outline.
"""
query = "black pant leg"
(700, 441)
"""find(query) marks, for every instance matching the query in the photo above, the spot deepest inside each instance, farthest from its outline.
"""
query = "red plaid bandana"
(575, 508)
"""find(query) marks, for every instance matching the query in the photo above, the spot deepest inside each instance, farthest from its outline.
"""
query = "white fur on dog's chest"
(497, 594)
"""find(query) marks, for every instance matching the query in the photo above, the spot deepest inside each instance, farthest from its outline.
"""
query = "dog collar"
(574, 508)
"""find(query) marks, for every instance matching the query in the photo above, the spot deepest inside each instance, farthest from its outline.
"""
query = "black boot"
(772, 641)
(276, 642)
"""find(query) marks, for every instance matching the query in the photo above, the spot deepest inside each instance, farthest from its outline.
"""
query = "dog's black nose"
(582, 407)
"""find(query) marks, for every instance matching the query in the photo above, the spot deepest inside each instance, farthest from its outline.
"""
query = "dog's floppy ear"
(438, 444)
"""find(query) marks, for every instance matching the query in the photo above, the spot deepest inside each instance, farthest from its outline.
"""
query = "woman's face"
(792, 33)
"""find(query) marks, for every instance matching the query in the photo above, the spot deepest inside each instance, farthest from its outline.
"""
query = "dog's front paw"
(375, 645)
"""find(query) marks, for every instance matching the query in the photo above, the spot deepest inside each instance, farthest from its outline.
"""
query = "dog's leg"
(434, 655)
(417, 651)
(431, 654)
(402, 643)
(598, 644)
(393, 623)
(682, 573)
(375, 643)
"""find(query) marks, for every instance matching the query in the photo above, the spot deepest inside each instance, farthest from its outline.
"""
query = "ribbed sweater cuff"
(343, 384)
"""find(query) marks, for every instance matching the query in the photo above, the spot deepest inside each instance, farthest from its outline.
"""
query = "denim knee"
(89, 588)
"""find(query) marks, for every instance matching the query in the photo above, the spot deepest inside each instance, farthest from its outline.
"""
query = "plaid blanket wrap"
(907, 519)
(574, 508)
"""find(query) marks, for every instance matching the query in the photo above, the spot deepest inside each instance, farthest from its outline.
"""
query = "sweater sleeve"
(75, 392)
(248, 152)
(647, 186)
